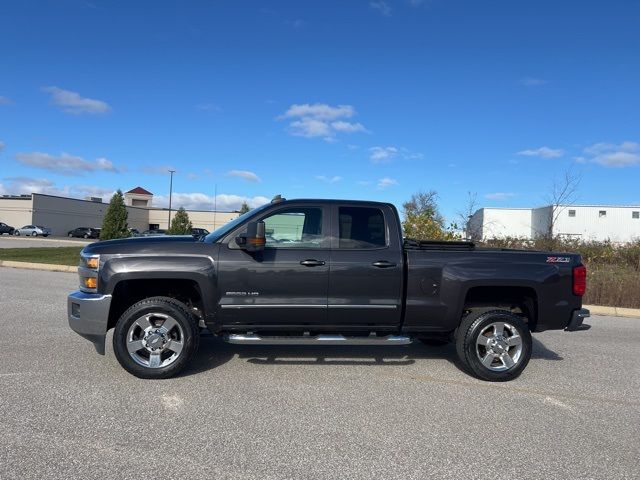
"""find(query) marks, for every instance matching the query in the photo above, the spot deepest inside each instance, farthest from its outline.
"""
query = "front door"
(365, 283)
(286, 284)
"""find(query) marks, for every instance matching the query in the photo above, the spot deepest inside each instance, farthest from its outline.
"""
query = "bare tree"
(465, 215)
(563, 193)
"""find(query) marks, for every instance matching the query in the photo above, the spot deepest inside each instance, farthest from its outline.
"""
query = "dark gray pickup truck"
(322, 272)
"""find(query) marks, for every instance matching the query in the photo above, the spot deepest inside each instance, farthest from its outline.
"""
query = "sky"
(371, 100)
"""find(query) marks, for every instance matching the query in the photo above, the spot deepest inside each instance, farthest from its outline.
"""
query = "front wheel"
(156, 338)
(494, 345)
(17, 233)
(34, 234)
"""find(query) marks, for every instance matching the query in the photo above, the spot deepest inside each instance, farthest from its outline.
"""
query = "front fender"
(199, 268)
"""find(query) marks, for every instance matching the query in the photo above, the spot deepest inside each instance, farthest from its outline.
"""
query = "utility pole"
(170, 195)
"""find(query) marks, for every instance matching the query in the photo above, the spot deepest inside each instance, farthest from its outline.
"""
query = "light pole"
(170, 195)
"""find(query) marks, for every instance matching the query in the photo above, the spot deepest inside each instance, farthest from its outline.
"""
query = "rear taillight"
(579, 280)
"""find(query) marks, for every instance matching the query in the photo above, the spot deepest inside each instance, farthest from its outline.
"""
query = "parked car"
(134, 232)
(331, 272)
(84, 232)
(33, 231)
(199, 232)
(153, 233)
(4, 228)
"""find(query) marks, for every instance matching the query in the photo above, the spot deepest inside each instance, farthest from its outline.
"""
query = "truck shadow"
(214, 352)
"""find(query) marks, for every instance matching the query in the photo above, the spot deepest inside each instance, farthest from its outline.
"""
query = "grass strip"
(50, 255)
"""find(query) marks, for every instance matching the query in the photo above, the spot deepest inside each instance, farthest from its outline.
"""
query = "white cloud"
(324, 178)
(201, 201)
(65, 164)
(386, 154)
(321, 120)
(611, 155)
(321, 111)
(499, 196)
(382, 6)
(347, 127)
(5, 100)
(159, 169)
(382, 154)
(533, 82)
(244, 174)
(544, 152)
(364, 183)
(72, 102)
(28, 185)
(386, 182)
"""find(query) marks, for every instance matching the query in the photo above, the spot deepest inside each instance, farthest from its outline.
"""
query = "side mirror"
(254, 240)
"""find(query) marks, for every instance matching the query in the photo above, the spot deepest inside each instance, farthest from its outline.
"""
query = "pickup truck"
(321, 272)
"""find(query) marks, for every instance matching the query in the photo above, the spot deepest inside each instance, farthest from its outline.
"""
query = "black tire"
(70, 235)
(17, 233)
(469, 354)
(34, 234)
(86, 236)
(162, 305)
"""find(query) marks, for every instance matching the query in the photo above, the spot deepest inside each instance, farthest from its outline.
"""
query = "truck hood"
(157, 245)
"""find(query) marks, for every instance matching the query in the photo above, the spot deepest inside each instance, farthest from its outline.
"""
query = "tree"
(114, 224)
(422, 219)
(244, 208)
(180, 224)
(470, 231)
(562, 193)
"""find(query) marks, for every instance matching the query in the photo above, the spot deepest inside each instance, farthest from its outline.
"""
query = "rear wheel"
(494, 345)
(156, 338)
(17, 233)
(34, 234)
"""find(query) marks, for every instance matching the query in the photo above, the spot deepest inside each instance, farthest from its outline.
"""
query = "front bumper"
(88, 315)
(577, 318)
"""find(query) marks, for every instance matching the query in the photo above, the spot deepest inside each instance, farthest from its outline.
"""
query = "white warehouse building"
(618, 224)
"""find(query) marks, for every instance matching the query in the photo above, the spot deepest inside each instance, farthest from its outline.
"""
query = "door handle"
(312, 263)
(383, 264)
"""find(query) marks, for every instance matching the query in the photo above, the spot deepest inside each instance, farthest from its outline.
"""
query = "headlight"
(88, 272)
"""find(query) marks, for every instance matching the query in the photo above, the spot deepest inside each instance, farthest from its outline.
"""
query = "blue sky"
(347, 99)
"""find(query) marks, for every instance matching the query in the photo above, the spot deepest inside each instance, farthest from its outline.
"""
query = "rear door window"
(361, 227)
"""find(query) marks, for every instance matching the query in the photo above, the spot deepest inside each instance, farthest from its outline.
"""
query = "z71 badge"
(558, 259)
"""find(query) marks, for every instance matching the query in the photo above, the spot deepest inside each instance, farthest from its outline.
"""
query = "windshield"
(227, 227)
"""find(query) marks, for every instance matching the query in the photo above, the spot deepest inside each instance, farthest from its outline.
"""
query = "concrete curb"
(613, 311)
(594, 309)
(38, 266)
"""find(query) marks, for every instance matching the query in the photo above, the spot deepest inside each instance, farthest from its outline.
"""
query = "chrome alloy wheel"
(499, 346)
(155, 340)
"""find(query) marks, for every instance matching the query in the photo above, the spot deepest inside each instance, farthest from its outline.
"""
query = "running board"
(250, 338)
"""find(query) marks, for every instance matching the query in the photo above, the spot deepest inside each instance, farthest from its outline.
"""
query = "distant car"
(151, 233)
(33, 231)
(199, 232)
(4, 228)
(134, 232)
(84, 232)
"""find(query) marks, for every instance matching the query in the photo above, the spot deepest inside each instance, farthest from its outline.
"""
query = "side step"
(251, 338)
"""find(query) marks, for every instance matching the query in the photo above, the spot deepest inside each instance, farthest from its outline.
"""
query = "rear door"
(365, 281)
(286, 284)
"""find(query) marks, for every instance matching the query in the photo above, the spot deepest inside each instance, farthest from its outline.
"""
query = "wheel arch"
(127, 292)
(516, 299)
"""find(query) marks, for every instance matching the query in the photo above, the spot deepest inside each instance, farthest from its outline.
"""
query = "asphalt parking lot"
(7, 241)
(306, 412)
